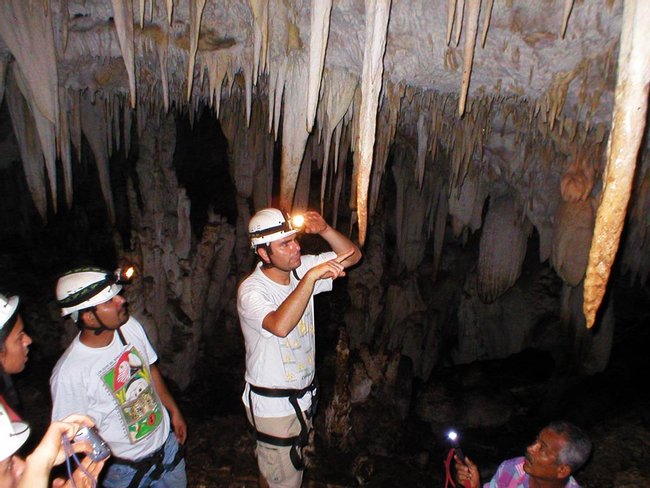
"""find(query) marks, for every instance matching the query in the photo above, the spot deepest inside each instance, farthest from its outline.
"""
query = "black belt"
(155, 460)
(296, 442)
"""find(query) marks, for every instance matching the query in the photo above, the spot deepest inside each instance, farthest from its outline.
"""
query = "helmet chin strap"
(96, 330)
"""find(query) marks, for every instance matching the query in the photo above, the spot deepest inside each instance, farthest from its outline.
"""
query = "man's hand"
(467, 473)
(180, 427)
(314, 222)
(330, 269)
(51, 452)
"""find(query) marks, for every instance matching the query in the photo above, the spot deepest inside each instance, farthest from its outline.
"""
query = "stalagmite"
(473, 11)
(123, 15)
(377, 15)
(196, 12)
(320, 27)
(628, 124)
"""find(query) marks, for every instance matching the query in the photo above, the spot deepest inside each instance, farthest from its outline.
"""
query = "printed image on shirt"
(129, 381)
(297, 351)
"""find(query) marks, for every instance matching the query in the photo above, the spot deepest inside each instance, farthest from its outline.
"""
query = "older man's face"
(541, 456)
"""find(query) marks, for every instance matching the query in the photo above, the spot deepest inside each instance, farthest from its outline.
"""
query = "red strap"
(448, 478)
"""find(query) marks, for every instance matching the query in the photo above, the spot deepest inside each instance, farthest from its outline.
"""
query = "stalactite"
(473, 12)
(162, 48)
(170, 11)
(628, 124)
(260, 9)
(338, 87)
(572, 234)
(46, 134)
(377, 15)
(63, 140)
(458, 21)
(94, 127)
(29, 36)
(386, 128)
(502, 249)
(423, 147)
(294, 132)
(123, 15)
(28, 145)
(142, 8)
(568, 6)
(486, 21)
(196, 13)
(320, 26)
(451, 14)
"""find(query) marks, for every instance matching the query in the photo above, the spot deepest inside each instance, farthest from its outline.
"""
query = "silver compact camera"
(100, 448)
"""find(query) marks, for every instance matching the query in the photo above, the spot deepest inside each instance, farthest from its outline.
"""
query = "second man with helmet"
(109, 373)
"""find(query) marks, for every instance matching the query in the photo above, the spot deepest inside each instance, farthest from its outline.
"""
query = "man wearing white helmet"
(276, 313)
(111, 353)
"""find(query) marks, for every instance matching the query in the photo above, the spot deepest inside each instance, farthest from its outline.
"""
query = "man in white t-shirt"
(276, 312)
(108, 373)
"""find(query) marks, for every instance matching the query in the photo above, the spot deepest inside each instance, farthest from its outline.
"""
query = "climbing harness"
(298, 442)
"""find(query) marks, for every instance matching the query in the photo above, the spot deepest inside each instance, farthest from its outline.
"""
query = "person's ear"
(88, 318)
(563, 471)
(263, 254)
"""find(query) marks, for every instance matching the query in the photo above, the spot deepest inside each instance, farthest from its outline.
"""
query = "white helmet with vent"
(269, 225)
(85, 288)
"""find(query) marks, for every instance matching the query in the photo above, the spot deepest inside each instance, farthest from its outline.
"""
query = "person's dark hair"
(578, 447)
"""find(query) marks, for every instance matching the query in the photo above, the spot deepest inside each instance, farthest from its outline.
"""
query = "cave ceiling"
(517, 98)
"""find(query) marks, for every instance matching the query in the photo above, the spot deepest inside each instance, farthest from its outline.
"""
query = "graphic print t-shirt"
(113, 385)
(128, 380)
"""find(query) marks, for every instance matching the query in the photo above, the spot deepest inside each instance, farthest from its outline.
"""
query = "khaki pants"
(273, 461)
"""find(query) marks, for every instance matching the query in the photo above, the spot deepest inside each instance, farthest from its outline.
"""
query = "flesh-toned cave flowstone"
(490, 157)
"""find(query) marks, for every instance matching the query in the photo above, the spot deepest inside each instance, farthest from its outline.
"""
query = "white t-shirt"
(113, 385)
(272, 361)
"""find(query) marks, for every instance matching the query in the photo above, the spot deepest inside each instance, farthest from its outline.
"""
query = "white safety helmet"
(269, 225)
(8, 307)
(85, 288)
(12, 434)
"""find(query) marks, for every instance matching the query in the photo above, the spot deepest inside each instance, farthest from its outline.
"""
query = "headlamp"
(297, 221)
(124, 275)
